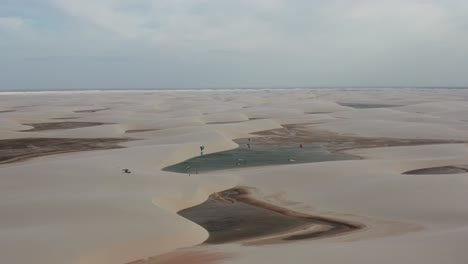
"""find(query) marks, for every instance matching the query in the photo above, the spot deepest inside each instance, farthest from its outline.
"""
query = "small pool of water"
(256, 156)
(232, 215)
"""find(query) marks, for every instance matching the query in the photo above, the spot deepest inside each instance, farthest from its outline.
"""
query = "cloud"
(236, 42)
(186, 24)
(401, 15)
(223, 51)
(11, 23)
(106, 14)
(259, 25)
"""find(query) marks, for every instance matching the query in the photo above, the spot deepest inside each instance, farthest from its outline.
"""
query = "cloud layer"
(73, 44)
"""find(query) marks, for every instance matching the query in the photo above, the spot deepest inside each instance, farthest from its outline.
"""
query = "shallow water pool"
(256, 156)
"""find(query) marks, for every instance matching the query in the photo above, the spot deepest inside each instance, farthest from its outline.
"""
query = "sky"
(153, 44)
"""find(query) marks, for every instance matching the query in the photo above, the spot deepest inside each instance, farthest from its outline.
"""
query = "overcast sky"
(120, 44)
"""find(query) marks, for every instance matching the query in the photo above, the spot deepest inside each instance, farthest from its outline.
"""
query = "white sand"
(79, 208)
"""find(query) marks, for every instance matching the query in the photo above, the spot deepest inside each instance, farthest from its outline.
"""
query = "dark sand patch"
(7, 111)
(229, 122)
(184, 257)
(91, 110)
(23, 106)
(256, 118)
(65, 118)
(15, 150)
(141, 130)
(235, 216)
(439, 170)
(60, 125)
(315, 113)
(294, 134)
(365, 106)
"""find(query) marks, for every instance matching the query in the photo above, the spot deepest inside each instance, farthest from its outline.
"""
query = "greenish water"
(243, 218)
(237, 220)
(364, 106)
(256, 156)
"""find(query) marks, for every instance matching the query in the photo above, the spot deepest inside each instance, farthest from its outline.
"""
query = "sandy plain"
(64, 198)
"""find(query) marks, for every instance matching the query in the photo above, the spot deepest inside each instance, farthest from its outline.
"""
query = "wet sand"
(227, 122)
(140, 130)
(235, 216)
(315, 113)
(91, 110)
(60, 125)
(294, 134)
(439, 170)
(15, 150)
(65, 118)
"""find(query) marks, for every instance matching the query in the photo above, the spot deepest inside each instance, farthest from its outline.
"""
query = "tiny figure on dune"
(300, 145)
(201, 150)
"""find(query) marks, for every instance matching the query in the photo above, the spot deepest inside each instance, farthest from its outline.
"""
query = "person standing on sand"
(201, 150)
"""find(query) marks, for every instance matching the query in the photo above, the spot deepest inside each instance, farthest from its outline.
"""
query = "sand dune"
(80, 208)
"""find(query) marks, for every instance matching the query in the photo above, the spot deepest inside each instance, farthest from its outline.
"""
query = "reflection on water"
(256, 156)
(232, 216)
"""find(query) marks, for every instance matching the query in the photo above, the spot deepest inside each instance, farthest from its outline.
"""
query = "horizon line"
(233, 88)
